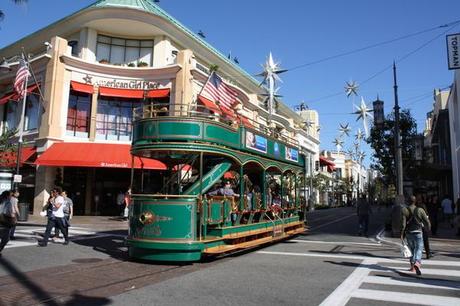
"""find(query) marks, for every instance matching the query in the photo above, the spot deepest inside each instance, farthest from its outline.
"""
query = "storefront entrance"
(94, 190)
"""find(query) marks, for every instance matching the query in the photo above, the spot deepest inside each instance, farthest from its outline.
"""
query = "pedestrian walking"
(56, 219)
(433, 210)
(127, 203)
(363, 211)
(448, 210)
(14, 196)
(7, 218)
(425, 232)
(412, 221)
(68, 213)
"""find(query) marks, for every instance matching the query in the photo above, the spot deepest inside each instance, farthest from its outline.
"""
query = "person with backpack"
(413, 220)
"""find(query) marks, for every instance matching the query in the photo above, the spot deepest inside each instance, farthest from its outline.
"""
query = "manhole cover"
(87, 260)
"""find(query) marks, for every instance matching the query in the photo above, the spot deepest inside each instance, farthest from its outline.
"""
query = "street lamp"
(398, 152)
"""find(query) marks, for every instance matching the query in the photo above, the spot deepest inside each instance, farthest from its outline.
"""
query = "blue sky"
(300, 32)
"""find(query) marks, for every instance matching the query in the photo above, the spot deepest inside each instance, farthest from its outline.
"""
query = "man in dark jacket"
(363, 210)
(413, 220)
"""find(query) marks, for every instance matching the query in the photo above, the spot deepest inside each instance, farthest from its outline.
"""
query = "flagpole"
(21, 126)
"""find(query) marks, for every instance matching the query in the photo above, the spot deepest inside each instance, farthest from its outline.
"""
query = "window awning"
(210, 105)
(98, 155)
(157, 93)
(325, 162)
(121, 92)
(246, 122)
(14, 96)
(80, 87)
(9, 159)
(230, 114)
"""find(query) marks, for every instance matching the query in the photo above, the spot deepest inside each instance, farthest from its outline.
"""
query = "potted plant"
(131, 65)
(142, 64)
(103, 61)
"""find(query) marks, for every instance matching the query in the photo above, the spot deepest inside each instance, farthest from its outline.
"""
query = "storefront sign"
(292, 154)
(119, 83)
(17, 178)
(256, 142)
(453, 52)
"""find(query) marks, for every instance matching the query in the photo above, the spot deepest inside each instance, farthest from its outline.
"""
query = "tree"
(2, 14)
(7, 147)
(382, 140)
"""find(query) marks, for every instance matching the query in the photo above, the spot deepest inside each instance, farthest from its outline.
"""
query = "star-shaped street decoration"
(361, 156)
(338, 143)
(345, 129)
(308, 124)
(363, 113)
(270, 75)
(356, 146)
(359, 135)
(350, 153)
(351, 88)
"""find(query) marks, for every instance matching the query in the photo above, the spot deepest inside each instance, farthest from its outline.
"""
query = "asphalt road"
(329, 265)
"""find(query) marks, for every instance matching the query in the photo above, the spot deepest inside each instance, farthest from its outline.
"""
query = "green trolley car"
(226, 185)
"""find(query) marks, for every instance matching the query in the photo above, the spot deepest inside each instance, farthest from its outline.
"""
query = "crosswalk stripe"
(420, 283)
(425, 271)
(409, 298)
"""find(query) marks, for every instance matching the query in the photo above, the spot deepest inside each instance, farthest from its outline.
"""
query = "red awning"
(246, 122)
(14, 96)
(98, 155)
(9, 159)
(121, 92)
(80, 87)
(230, 114)
(325, 162)
(210, 105)
(157, 93)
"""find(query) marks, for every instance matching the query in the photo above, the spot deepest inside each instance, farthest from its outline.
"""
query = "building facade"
(91, 71)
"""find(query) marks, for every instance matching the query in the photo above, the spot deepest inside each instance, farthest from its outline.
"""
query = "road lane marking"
(357, 257)
(401, 297)
(420, 282)
(343, 293)
(337, 242)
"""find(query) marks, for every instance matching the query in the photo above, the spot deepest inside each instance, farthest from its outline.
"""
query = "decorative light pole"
(398, 152)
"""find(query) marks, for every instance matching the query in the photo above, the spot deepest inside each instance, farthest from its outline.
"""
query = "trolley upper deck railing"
(200, 112)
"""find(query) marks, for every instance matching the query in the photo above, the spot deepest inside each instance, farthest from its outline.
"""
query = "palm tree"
(2, 15)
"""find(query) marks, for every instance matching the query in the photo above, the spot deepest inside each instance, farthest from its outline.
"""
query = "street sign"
(453, 51)
(17, 178)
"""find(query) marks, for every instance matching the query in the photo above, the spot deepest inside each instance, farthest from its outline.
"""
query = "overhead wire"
(372, 46)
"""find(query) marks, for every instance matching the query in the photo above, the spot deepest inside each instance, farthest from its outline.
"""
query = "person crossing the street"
(56, 219)
(413, 220)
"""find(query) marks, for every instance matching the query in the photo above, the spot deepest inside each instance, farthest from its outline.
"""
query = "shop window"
(78, 114)
(120, 51)
(114, 118)
(31, 113)
(74, 45)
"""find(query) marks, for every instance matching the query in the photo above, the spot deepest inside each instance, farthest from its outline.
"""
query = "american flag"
(21, 78)
(216, 90)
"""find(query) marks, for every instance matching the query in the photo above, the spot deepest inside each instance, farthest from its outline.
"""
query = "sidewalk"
(95, 223)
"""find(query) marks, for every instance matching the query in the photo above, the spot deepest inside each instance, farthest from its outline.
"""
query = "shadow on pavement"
(111, 243)
(38, 292)
(353, 253)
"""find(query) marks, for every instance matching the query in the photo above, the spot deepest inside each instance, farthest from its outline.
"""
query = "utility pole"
(398, 153)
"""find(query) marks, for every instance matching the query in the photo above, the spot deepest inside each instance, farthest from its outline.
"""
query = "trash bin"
(23, 211)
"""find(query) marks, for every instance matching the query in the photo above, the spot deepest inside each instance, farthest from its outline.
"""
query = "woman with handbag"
(7, 218)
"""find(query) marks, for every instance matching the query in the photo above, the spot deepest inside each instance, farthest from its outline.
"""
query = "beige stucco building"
(91, 71)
